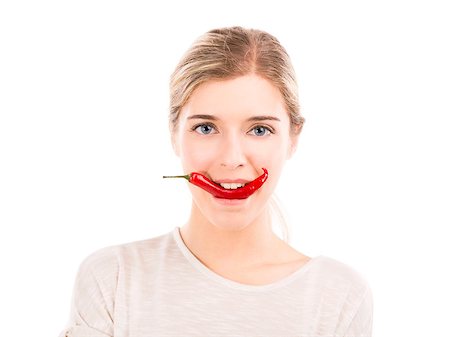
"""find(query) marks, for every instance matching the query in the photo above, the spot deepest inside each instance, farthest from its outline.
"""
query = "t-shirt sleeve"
(92, 305)
(361, 324)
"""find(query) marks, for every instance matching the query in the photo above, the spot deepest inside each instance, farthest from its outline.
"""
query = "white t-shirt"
(157, 287)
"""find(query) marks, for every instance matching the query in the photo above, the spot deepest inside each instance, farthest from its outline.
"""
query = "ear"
(292, 145)
(294, 140)
(175, 144)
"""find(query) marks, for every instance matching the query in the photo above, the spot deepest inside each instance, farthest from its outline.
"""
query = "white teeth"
(231, 186)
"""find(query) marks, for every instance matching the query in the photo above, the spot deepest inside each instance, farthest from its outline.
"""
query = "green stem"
(185, 177)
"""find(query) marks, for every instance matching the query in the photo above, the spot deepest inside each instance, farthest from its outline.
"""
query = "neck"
(231, 246)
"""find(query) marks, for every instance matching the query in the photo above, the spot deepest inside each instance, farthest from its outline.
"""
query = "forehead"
(240, 97)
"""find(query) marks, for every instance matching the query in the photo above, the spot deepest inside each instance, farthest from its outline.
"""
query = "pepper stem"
(187, 177)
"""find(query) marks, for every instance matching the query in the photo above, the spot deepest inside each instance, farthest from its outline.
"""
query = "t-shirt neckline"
(233, 284)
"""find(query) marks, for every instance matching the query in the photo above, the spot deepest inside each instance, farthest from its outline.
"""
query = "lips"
(230, 181)
(239, 188)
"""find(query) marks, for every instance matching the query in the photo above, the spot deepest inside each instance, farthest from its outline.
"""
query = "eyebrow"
(251, 119)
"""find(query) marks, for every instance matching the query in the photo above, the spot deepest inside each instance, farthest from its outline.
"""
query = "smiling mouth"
(231, 186)
(226, 190)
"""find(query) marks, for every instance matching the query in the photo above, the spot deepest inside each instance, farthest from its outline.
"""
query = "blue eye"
(204, 129)
(260, 131)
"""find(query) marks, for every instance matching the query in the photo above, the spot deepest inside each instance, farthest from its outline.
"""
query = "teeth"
(231, 186)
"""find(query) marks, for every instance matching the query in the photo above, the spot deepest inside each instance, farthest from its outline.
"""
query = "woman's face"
(229, 130)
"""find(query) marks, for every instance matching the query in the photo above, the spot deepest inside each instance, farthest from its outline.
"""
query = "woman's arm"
(361, 324)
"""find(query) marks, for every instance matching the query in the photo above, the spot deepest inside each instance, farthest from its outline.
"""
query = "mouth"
(225, 189)
(230, 186)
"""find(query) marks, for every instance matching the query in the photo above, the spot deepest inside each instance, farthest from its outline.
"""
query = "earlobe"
(292, 146)
(294, 140)
(292, 150)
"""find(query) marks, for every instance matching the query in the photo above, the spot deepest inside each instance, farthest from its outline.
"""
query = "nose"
(232, 153)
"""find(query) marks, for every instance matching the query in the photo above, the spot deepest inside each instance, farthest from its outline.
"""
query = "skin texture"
(234, 236)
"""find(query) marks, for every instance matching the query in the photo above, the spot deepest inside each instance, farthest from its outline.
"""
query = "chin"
(230, 214)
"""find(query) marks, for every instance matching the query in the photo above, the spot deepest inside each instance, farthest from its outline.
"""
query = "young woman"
(234, 120)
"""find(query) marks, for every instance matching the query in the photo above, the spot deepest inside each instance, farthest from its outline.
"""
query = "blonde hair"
(228, 53)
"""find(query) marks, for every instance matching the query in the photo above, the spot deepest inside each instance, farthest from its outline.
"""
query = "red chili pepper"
(218, 191)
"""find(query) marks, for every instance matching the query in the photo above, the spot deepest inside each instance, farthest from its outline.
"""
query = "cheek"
(196, 155)
(268, 152)
(272, 156)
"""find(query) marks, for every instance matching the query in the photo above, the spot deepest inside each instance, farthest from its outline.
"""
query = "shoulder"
(339, 281)
(110, 259)
(339, 272)
(99, 269)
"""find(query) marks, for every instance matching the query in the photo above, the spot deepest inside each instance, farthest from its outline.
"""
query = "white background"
(84, 143)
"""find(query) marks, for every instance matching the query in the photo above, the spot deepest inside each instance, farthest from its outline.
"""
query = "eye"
(204, 129)
(261, 130)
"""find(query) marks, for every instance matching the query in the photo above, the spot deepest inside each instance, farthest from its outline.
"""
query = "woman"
(235, 120)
